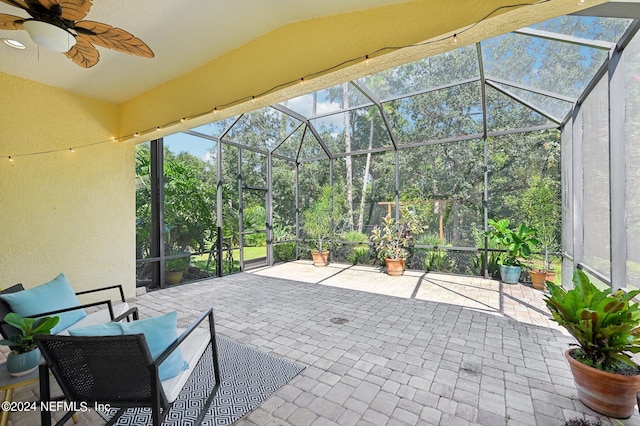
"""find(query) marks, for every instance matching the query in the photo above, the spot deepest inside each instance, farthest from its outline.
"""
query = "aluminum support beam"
(485, 201)
(578, 187)
(531, 89)
(240, 210)
(566, 177)
(297, 192)
(548, 35)
(219, 264)
(523, 102)
(397, 188)
(617, 171)
(331, 160)
(157, 212)
(269, 210)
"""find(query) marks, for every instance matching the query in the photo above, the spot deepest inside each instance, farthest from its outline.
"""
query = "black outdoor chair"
(7, 330)
(119, 370)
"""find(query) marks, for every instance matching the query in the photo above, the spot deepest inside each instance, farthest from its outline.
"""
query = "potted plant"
(317, 225)
(25, 355)
(176, 266)
(546, 234)
(606, 326)
(542, 206)
(391, 241)
(518, 243)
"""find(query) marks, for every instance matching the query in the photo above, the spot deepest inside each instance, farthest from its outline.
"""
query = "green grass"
(200, 261)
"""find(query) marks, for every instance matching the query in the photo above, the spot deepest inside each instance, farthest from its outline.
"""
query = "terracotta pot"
(320, 258)
(395, 267)
(538, 279)
(613, 395)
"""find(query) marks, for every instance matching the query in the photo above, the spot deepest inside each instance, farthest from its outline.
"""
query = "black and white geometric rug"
(249, 377)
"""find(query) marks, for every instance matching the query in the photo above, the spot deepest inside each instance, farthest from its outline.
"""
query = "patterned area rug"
(248, 376)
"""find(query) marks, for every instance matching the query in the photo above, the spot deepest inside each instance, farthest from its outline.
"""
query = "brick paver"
(424, 348)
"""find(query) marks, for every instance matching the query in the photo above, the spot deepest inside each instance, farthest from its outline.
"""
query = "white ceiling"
(182, 34)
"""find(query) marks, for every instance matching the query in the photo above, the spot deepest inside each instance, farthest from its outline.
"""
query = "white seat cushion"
(192, 349)
(98, 317)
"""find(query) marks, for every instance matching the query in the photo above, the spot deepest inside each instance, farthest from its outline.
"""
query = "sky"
(181, 142)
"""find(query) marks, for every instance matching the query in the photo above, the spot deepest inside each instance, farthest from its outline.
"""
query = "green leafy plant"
(493, 267)
(518, 242)
(392, 239)
(358, 253)
(284, 251)
(541, 203)
(29, 327)
(178, 264)
(317, 219)
(605, 324)
(439, 260)
(189, 203)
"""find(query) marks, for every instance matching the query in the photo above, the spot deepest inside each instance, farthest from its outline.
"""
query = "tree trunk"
(364, 181)
(455, 221)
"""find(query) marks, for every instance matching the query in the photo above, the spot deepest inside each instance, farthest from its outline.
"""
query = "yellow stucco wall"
(71, 212)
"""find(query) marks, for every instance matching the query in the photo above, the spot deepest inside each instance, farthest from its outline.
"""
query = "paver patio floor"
(425, 348)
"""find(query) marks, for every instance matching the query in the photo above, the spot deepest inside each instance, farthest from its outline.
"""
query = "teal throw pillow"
(160, 332)
(106, 329)
(51, 296)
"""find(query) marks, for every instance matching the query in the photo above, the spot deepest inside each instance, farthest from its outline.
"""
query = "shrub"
(439, 260)
(605, 324)
(284, 251)
(358, 253)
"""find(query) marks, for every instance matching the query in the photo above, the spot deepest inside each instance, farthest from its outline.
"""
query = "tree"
(189, 203)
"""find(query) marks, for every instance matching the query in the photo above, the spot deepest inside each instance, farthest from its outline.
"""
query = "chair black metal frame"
(114, 370)
(7, 330)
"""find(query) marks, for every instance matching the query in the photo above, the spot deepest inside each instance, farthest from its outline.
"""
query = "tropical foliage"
(519, 242)
(318, 220)
(29, 327)
(393, 238)
(605, 323)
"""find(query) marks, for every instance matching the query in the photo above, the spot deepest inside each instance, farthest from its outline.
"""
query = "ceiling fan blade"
(72, 10)
(83, 53)
(113, 38)
(10, 22)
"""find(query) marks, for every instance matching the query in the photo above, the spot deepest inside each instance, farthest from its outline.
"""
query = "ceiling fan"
(57, 25)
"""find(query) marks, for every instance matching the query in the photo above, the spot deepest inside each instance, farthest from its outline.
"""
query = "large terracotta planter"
(538, 279)
(320, 258)
(395, 267)
(613, 395)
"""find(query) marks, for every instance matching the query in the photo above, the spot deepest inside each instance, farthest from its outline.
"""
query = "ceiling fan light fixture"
(49, 36)
(14, 43)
